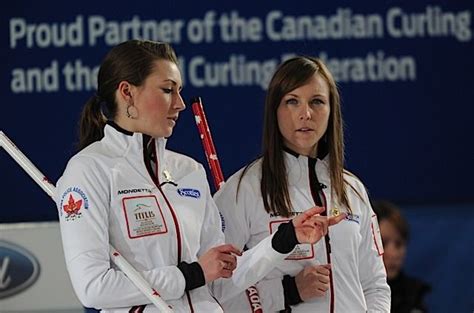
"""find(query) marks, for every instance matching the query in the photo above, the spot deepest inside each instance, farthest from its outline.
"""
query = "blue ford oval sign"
(19, 269)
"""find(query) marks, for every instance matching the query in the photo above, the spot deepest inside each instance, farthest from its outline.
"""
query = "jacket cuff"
(193, 275)
(284, 240)
(290, 290)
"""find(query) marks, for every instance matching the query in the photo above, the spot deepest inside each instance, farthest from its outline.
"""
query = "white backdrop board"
(33, 274)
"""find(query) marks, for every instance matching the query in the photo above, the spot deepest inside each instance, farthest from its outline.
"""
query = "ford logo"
(19, 269)
(188, 192)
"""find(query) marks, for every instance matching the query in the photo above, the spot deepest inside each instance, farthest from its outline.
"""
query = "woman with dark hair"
(126, 189)
(407, 292)
(302, 165)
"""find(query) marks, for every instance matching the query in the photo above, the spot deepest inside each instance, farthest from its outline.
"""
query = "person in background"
(302, 165)
(126, 189)
(407, 292)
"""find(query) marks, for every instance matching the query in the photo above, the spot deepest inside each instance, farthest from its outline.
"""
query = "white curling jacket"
(106, 195)
(358, 273)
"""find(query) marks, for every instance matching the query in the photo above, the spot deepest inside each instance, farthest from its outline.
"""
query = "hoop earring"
(133, 114)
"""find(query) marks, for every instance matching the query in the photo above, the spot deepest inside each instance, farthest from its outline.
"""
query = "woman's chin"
(392, 274)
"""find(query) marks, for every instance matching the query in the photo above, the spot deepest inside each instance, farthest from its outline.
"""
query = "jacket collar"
(131, 145)
(322, 156)
(297, 167)
(119, 129)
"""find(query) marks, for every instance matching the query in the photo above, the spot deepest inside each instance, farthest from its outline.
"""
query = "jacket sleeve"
(371, 267)
(255, 263)
(83, 200)
(235, 220)
(211, 231)
(272, 295)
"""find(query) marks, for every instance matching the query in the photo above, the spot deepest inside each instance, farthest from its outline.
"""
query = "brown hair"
(387, 210)
(130, 61)
(290, 75)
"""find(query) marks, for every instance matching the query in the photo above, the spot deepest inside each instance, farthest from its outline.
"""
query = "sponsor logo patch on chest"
(189, 192)
(133, 190)
(143, 216)
(353, 218)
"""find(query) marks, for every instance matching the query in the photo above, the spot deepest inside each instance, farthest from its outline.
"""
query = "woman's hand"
(313, 281)
(219, 262)
(310, 227)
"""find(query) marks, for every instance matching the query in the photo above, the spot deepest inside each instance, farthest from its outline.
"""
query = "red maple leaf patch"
(72, 207)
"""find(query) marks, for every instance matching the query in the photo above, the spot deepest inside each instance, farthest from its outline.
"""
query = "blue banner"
(404, 70)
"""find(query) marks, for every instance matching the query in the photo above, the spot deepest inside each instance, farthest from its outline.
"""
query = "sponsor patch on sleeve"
(222, 222)
(73, 200)
(377, 235)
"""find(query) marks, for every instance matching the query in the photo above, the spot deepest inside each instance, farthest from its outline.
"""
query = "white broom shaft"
(117, 258)
(139, 281)
(26, 164)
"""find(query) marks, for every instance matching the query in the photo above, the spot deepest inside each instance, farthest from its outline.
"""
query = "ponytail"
(130, 61)
(91, 123)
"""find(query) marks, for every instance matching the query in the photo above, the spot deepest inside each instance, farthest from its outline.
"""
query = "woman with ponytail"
(153, 205)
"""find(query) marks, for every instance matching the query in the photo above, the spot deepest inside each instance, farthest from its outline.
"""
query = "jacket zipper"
(328, 255)
(318, 194)
(175, 219)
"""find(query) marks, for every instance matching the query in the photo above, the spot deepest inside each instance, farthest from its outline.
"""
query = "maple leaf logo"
(72, 207)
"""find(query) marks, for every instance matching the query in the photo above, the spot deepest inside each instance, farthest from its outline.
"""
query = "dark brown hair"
(290, 75)
(387, 210)
(130, 61)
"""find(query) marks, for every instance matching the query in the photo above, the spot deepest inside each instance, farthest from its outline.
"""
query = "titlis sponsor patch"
(189, 192)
